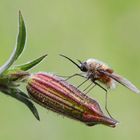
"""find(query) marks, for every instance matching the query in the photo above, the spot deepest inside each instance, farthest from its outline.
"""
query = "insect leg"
(100, 86)
(90, 88)
(71, 76)
(76, 74)
(82, 83)
(80, 76)
(106, 98)
(87, 86)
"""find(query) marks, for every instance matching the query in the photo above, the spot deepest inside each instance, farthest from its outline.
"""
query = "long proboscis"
(70, 60)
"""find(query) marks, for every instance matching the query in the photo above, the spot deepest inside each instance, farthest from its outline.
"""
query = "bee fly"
(96, 70)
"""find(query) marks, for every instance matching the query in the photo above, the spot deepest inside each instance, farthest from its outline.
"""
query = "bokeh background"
(107, 30)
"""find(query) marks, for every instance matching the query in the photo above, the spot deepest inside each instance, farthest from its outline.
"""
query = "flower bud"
(59, 96)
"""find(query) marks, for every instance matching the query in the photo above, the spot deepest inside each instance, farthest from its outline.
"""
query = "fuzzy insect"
(96, 70)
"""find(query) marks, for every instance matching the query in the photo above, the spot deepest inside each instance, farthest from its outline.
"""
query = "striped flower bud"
(59, 96)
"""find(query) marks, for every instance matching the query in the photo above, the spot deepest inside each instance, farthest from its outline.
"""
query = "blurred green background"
(107, 30)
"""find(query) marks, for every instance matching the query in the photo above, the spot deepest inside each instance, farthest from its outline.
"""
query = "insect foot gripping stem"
(59, 96)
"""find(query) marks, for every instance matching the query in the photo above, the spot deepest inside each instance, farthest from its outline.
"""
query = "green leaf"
(19, 45)
(31, 64)
(22, 97)
(21, 37)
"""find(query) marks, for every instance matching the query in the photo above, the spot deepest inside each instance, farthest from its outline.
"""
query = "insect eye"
(83, 68)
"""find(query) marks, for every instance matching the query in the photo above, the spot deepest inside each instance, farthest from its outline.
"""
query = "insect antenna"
(79, 61)
(71, 60)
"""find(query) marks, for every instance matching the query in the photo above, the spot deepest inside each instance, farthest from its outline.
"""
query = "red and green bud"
(59, 96)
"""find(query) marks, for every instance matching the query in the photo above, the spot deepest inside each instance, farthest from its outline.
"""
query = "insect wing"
(121, 80)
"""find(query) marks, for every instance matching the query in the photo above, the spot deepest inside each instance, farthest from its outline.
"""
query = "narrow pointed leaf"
(19, 46)
(30, 64)
(21, 36)
(22, 97)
